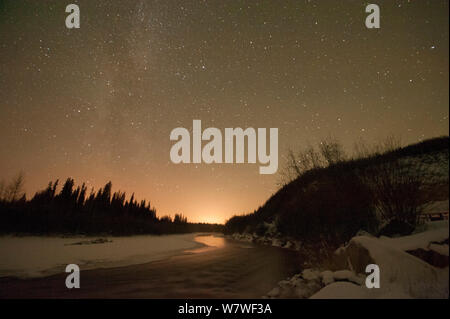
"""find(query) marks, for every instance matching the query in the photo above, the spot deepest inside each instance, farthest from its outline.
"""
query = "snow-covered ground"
(402, 274)
(34, 256)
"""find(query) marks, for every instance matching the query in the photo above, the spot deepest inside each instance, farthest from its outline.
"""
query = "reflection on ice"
(211, 242)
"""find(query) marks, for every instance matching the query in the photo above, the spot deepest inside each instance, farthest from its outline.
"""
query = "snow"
(298, 286)
(275, 292)
(440, 249)
(341, 290)
(414, 276)
(34, 256)
(277, 242)
(327, 277)
(436, 232)
(310, 274)
(402, 275)
(437, 207)
(347, 290)
(347, 275)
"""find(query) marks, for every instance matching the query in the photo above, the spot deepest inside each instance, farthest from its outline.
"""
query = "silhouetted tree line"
(329, 197)
(74, 210)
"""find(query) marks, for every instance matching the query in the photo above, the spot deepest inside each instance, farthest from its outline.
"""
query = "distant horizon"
(129, 193)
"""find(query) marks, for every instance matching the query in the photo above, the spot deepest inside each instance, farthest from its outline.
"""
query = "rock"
(363, 233)
(297, 245)
(306, 289)
(327, 277)
(275, 292)
(288, 245)
(400, 271)
(295, 277)
(285, 284)
(347, 275)
(298, 275)
(287, 293)
(302, 292)
(310, 274)
(298, 282)
(343, 274)
(276, 242)
(353, 256)
(342, 290)
(314, 286)
(236, 236)
(271, 228)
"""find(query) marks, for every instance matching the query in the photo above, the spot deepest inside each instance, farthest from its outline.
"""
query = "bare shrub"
(14, 191)
(362, 149)
(329, 152)
(398, 190)
(332, 151)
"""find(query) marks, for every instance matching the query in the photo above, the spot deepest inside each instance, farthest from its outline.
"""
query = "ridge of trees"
(74, 210)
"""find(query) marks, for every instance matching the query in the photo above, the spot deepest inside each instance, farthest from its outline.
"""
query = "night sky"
(98, 103)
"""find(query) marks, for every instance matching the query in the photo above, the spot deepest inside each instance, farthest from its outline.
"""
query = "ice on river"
(34, 256)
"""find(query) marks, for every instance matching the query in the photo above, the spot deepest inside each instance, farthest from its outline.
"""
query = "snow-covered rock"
(347, 275)
(413, 275)
(275, 292)
(243, 237)
(276, 242)
(401, 274)
(348, 290)
(363, 233)
(284, 284)
(341, 290)
(297, 282)
(288, 245)
(327, 277)
(297, 245)
(298, 286)
(311, 274)
(435, 232)
(271, 228)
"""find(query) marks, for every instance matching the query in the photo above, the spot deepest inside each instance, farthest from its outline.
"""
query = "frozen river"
(173, 266)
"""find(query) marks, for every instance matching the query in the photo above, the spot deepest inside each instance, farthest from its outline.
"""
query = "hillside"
(333, 203)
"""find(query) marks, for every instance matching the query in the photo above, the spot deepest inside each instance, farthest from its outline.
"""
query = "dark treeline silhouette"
(329, 197)
(73, 210)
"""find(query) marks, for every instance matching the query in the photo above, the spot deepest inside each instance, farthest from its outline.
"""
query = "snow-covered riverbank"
(34, 256)
(414, 266)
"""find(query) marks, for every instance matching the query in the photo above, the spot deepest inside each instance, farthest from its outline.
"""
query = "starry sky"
(98, 103)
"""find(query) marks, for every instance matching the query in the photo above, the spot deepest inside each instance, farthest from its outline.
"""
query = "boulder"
(311, 274)
(327, 277)
(410, 275)
(275, 292)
